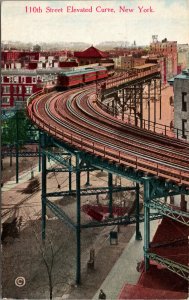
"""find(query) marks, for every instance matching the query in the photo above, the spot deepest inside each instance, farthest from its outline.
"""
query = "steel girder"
(159, 187)
(90, 191)
(149, 192)
(60, 214)
(123, 220)
(168, 211)
(57, 170)
(163, 188)
(154, 188)
(57, 157)
(21, 154)
(132, 82)
(179, 269)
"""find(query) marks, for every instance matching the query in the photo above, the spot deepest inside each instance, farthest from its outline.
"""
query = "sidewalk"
(124, 270)
(23, 177)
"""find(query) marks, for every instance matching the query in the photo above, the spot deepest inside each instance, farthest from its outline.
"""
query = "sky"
(169, 19)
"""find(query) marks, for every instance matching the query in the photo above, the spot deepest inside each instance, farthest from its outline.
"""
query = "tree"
(37, 48)
(15, 129)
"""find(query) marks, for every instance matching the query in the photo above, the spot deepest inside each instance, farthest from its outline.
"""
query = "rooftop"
(183, 75)
(18, 72)
(91, 52)
(145, 66)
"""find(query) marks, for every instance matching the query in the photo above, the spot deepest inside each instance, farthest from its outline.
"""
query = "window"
(15, 98)
(28, 90)
(23, 79)
(171, 101)
(14, 89)
(20, 98)
(33, 79)
(5, 100)
(15, 79)
(6, 89)
(20, 89)
(184, 124)
(184, 103)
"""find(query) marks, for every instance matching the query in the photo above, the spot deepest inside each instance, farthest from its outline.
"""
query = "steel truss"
(123, 220)
(153, 188)
(150, 190)
(179, 269)
(129, 98)
(21, 154)
(78, 165)
(170, 212)
(91, 191)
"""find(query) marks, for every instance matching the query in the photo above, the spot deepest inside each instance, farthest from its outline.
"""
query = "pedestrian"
(102, 295)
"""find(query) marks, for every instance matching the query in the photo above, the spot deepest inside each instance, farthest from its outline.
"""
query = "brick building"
(181, 103)
(167, 49)
(89, 56)
(128, 62)
(18, 85)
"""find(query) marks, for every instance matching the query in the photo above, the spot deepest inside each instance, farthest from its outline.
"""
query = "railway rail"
(75, 118)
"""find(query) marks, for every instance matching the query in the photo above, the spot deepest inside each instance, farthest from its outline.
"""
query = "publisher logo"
(20, 281)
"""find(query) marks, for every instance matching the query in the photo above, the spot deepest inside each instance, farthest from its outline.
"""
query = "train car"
(102, 73)
(78, 77)
(89, 75)
(69, 79)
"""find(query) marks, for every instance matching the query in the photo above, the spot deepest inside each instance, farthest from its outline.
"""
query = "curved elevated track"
(75, 118)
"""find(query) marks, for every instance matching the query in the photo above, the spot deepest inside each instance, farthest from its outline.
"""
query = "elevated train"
(80, 77)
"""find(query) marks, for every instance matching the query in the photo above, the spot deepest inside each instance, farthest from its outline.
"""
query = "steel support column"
(146, 222)
(154, 104)
(130, 104)
(141, 106)
(110, 186)
(123, 104)
(78, 226)
(88, 177)
(44, 185)
(70, 175)
(39, 151)
(17, 159)
(160, 101)
(113, 107)
(148, 106)
(135, 105)
(138, 235)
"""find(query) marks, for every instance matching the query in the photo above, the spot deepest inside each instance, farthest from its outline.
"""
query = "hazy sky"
(170, 19)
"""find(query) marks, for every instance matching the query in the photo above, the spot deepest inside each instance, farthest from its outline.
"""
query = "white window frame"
(28, 89)
(20, 89)
(5, 87)
(15, 79)
(7, 98)
(14, 89)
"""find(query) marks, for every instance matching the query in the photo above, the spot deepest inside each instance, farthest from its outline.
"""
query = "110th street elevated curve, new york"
(74, 120)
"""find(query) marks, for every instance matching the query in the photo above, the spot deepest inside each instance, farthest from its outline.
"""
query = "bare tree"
(47, 252)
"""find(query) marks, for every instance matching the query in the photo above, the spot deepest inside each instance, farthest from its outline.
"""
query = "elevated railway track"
(75, 119)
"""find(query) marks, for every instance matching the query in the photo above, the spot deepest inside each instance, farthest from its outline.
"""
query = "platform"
(125, 269)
